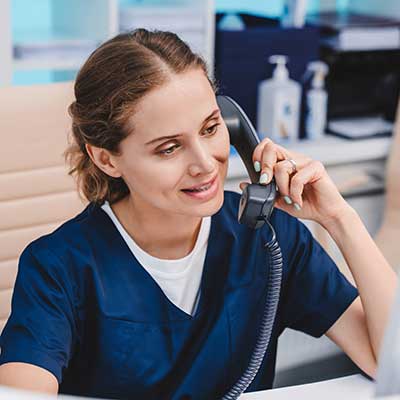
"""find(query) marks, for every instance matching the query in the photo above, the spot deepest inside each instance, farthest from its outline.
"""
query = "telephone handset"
(257, 200)
(255, 208)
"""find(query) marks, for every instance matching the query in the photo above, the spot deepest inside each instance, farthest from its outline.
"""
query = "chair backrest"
(36, 193)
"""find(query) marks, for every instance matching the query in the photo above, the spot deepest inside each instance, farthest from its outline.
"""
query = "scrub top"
(84, 308)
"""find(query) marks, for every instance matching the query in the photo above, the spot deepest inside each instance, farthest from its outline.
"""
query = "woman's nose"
(202, 160)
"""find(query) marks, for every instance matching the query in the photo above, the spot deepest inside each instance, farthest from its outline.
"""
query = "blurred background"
(320, 76)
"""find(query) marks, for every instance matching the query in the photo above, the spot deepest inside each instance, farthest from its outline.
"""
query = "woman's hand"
(305, 190)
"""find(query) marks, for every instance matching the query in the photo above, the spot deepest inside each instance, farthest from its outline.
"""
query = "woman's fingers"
(302, 183)
(282, 172)
(290, 184)
(268, 161)
(310, 173)
(289, 178)
(267, 154)
(257, 153)
(242, 185)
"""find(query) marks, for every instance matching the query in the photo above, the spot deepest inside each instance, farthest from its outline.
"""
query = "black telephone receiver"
(255, 208)
(257, 200)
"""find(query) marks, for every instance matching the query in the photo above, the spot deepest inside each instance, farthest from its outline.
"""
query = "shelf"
(187, 19)
(329, 150)
(180, 19)
(44, 36)
(49, 64)
(55, 54)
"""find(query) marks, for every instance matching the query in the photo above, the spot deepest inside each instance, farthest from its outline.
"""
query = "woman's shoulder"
(60, 258)
(71, 234)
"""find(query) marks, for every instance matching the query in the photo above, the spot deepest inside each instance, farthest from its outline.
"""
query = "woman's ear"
(104, 160)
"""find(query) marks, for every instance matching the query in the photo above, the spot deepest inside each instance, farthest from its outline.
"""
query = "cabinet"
(48, 40)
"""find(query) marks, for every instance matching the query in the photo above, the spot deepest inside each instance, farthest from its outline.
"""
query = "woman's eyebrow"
(179, 134)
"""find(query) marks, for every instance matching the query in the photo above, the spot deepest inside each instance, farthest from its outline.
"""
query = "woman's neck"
(163, 237)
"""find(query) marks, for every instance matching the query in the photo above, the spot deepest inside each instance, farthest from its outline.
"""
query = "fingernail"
(257, 166)
(296, 206)
(287, 199)
(264, 178)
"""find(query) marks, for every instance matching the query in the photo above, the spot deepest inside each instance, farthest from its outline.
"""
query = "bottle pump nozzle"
(320, 70)
(280, 72)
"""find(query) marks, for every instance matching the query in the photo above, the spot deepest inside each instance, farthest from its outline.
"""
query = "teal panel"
(42, 76)
(62, 76)
(30, 20)
(32, 77)
(342, 5)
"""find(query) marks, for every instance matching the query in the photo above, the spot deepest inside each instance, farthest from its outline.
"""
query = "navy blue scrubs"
(84, 308)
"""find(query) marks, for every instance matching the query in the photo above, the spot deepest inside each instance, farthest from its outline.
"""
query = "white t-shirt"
(179, 279)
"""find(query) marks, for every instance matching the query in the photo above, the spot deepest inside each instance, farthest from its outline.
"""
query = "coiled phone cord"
(267, 323)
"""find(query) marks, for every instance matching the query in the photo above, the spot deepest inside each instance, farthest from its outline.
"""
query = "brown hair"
(110, 83)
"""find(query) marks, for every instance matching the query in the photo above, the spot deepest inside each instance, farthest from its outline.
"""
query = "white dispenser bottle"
(278, 104)
(316, 102)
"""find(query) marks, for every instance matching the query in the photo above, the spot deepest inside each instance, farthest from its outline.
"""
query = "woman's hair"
(115, 77)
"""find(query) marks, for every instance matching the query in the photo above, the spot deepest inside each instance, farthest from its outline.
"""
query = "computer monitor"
(388, 374)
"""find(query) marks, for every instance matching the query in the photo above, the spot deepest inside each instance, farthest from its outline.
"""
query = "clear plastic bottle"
(278, 103)
(316, 102)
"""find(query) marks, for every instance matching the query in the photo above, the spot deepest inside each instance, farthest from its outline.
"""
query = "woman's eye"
(168, 151)
(212, 129)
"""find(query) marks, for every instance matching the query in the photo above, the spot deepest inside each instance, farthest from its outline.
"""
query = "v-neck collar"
(158, 266)
(214, 272)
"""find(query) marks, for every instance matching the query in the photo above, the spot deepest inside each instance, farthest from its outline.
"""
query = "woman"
(155, 291)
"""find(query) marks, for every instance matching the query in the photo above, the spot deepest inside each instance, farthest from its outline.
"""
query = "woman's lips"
(203, 184)
(205, 194)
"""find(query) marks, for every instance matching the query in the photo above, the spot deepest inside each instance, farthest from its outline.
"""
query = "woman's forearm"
(375, 279)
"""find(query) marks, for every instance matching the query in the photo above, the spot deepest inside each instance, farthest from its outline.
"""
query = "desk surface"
(354, 387)
(8, 393)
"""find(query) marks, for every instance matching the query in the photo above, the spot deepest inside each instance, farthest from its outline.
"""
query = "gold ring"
(294, 165)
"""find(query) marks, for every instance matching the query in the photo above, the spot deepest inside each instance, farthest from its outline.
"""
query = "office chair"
(36, 192)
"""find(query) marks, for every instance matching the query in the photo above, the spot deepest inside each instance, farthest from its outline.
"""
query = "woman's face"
(156, 168)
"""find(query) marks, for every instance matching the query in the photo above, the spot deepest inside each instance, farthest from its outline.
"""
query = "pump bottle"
(316, 100)
(278, 103)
